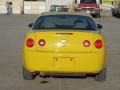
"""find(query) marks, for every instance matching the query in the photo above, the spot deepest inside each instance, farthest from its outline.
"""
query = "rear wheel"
(113, 13)
(101, 76)
(98, 15)
(118, 14)
(27, 75)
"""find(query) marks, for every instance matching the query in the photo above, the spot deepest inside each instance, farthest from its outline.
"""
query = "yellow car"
(64, 43)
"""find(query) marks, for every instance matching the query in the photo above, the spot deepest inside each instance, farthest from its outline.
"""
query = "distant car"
(59, 8)
(64, 43)
(116, 9)
(89, 6)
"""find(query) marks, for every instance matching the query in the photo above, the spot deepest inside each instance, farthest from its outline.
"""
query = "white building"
(31, 6)
(16, 5)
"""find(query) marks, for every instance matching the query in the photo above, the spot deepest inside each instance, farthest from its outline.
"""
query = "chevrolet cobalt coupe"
(64, 43)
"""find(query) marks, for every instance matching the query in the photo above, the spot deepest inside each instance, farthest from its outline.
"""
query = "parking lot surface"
(12, 33)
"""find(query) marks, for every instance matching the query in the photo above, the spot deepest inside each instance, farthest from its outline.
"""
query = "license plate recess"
(64, 62)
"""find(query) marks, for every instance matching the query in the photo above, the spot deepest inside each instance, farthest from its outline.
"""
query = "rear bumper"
(80, 62)
(90, 12)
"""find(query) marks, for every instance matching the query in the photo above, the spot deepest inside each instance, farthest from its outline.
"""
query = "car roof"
(65, 13)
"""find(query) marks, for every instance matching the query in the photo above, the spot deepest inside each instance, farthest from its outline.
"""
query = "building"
(31, 6)
(36, 6)
(16, 5)
(23, 6)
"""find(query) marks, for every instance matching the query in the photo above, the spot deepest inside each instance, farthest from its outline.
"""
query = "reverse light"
(30, 42)
(86, 43)
(98, 44)
(41, 42)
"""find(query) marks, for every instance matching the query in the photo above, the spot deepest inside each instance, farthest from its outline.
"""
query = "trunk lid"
(64, 41)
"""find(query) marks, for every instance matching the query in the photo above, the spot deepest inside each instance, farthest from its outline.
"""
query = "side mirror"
(99, 26)
(30, 25)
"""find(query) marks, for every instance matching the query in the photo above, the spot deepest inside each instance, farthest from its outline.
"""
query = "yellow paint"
(64, 53)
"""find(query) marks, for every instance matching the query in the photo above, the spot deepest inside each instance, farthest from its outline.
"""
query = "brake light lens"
(98, 44)
(86, 43)
(76, 5)
(97, 8)
(30, 42)
(41, 42)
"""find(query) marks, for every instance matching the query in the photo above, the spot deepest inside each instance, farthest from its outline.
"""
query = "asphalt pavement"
(12, 33)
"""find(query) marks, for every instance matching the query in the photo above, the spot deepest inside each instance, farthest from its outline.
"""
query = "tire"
(101, 76)
(98, 15)
(113, 13)
(118, 14)
(27, 75)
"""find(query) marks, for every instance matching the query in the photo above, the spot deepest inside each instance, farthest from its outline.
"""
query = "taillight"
(41, 42)
(86, 43)
(98, 44)
(30, 42)
(97, 8)
(81, 5)
(76, 5)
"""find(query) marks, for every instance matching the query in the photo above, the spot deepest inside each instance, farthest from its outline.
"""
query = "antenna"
(99, 20)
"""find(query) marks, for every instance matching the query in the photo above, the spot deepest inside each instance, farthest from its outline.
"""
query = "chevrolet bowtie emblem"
(63, 41)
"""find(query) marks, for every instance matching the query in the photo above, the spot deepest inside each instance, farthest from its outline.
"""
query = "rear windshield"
(64, 22)
(87, 1)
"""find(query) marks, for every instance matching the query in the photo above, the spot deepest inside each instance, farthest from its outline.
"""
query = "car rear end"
(64, 51)
(88, 6)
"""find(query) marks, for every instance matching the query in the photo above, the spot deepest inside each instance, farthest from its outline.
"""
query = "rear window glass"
(87, 1)
(64, 22)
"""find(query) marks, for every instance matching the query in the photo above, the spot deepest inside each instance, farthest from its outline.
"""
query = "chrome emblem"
(62, 43)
